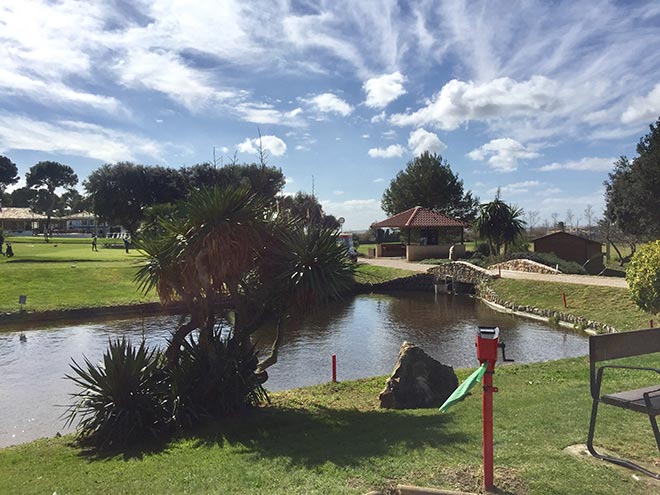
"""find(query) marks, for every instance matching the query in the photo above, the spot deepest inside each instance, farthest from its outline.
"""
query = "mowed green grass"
(372, 274)
(609, 305)
(66, 275)
(333, 439)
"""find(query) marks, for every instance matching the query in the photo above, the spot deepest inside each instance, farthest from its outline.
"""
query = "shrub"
(643, 277)
(551, 260)
(213, 379)
(483, 249)
(123, 399)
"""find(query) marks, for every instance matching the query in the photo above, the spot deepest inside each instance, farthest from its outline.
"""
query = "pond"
(364, 332)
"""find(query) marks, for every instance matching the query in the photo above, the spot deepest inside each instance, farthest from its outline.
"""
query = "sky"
(537, 98)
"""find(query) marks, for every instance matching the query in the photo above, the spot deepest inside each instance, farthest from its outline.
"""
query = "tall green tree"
(8, 173)
(46, 178)
(428, 181)
(632, 190)
(306, 207)
(500, 224)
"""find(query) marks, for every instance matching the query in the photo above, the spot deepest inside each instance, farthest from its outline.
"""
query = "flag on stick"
(464, 388)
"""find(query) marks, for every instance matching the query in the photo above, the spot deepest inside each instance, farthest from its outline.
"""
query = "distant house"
(20, 220)
(571, 247)
(84, 222)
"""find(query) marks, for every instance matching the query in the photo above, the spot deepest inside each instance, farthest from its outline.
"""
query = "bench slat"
(624, 344)
(634, 399)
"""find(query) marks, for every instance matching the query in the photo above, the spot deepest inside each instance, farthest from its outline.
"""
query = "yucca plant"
(213, 379)
(123, 399)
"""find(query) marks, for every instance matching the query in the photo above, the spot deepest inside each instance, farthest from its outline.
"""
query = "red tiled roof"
(419, 217)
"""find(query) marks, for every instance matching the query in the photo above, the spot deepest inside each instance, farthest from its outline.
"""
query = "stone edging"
(489, 297)
(525, 265)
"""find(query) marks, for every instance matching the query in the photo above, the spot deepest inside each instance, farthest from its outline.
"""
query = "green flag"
(464, 388)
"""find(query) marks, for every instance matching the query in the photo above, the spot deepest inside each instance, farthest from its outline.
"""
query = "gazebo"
(427, 234)
(20, 220)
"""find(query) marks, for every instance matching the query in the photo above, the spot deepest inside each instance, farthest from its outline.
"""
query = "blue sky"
(538, 98)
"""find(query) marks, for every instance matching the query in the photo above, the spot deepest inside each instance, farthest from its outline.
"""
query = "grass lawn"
(603, 304)
(333, 439)
(372, 274)
(66, 273)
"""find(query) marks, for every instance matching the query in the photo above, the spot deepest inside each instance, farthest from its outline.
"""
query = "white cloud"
(383, 90)
(390, 134)
(329, 103)
(272, 144)
(289, 180)
(365, 136)
(421, 140)
(166, 73)
(359, 213)
(459, 102)
(264, 113)
(338, 193)
(379, 179)
(589, 163)
(75, 138)
(378, 118)
(643, 109)
(392, 151)
(503, 154)
(516, 187)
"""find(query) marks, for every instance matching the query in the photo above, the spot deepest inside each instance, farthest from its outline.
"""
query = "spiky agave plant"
(122, 400)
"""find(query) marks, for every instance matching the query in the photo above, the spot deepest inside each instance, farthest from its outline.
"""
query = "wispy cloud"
(593, 164)
(75, 138)
(643, 108)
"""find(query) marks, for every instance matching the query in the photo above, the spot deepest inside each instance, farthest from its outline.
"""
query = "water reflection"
(364, 332)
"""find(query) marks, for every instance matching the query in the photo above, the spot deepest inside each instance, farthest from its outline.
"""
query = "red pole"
(334, 368)
(563, 296)
(487, 416)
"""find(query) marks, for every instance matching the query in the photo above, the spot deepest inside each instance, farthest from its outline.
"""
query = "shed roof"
(19, 214)
(82, 215)
(419, 217)
(562, 234)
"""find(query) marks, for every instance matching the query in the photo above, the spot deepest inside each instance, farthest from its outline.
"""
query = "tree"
(631, 191)
(643, 277)
(532, 219)
(589, 215)
(428, 181)
(500, 224)
(569, 218)
(305, 207)
(121, 192)
(46, 178)
(230, 242)
(555, 219)
(8, 173)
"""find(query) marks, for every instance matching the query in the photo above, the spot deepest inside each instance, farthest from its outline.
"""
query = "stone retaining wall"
(523, 265)
(461, 271)
(489, 294)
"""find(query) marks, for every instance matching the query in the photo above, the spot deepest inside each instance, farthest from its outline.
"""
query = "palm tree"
(230, 245)
(500, 224)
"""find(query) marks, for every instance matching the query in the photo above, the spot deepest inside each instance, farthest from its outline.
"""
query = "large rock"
(417, 381)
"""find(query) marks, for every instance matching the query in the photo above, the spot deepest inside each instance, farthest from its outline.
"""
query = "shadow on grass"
(341, 436)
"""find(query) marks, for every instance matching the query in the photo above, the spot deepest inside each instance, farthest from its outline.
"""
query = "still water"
(365, 333)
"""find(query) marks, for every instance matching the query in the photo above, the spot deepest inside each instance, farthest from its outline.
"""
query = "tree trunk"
(174, 347)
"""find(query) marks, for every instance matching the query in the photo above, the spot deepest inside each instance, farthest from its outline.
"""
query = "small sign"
(22, 299)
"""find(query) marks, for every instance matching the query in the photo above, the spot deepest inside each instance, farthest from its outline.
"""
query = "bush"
(551, 260)
(643, 277)
(483, 249)
(213, 379)
(123, 399)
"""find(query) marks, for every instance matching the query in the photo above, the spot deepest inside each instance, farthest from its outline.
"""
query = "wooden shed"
(571, 247)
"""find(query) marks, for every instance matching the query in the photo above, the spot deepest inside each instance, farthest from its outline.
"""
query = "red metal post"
(487, 417)
(563, 296)
(334, 368)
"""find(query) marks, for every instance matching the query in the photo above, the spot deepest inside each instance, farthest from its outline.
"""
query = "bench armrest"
(599, 377)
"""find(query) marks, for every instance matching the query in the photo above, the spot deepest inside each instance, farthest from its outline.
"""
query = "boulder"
(417, 381)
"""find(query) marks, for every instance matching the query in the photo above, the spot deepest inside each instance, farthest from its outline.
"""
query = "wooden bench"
(645, 400)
